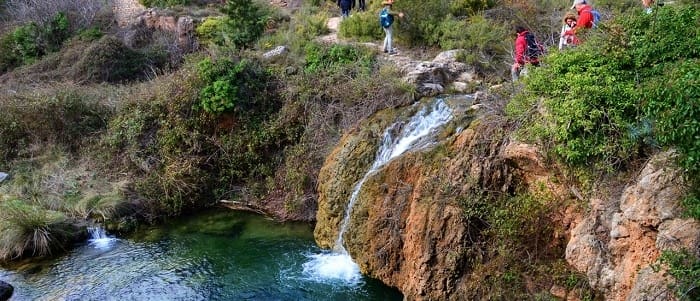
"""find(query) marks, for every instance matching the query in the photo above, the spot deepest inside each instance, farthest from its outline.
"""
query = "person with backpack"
(386, 19)
(527, 51)
(587, 18)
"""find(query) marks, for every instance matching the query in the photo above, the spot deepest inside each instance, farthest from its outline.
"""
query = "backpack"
(534, 49)
(385, 19)
(596, 17)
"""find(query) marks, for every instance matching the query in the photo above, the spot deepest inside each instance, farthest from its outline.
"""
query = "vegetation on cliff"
(120, 125)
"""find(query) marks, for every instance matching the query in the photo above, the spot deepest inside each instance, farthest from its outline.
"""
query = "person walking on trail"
(527, 52)
(345, 6)
(363, 5)
(386, 19)
(585, 19)
(569, 23)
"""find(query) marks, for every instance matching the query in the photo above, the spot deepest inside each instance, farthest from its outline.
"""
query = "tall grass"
(31, 230)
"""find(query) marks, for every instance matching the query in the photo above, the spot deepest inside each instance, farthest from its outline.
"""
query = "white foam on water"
(333, 267)
(99, 238)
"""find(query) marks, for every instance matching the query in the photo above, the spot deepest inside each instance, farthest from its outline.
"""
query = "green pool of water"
(216, 255)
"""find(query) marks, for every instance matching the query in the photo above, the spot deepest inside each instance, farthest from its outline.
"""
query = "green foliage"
(231, 86)
(108, 59)
(64, 118)
(619, 94)
(244, 23)
(685, 268)
(163, 3)
(320, 57)
(26, 43)
(422, 20)
(210, 31)
(363, 26)
(310, 25)
(485, 41)
(470, 7)
(91, 34)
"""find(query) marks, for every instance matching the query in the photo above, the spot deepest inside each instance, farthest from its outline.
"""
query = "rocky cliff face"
(616, 243)
(409, 227)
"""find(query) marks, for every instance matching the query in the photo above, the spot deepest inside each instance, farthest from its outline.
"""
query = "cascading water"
(417, 133)
(99, 238)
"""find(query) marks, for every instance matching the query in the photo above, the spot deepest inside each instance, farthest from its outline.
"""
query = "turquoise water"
(216, 255)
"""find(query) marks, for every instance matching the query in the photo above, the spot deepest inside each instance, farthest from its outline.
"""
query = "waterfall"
(99, 238)
(400, 137)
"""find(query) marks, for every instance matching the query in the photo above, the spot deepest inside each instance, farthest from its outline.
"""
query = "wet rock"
(6, 291)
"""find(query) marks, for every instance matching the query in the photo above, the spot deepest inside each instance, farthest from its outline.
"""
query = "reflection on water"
(218, 255)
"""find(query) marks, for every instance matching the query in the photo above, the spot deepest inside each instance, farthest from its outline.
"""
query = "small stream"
(216, 255)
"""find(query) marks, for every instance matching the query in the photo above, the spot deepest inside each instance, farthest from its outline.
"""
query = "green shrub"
(64, 118)
(470, 7)
(685, 268)
(320, 57)
(363, 26)
(485, 42)
(421, 21)
(109, 60)
(26, 43)
(210, 31)
(622, 93)
(244, 24)
(231, 86)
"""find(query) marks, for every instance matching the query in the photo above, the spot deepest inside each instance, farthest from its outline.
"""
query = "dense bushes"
(331, 58)
(64, 119)
(243, 23)
(232, 87)
(109, 60)
(364, 26)
(28, 42)
(622, 93)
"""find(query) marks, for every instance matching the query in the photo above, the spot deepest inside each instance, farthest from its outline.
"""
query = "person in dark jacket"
(521, 56)
(345, 6)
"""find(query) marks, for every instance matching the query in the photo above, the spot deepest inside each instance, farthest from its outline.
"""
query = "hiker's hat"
(577, 2)
(388, 2)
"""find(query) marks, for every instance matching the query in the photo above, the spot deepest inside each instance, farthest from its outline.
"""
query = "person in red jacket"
(521, 53)
(585, 19)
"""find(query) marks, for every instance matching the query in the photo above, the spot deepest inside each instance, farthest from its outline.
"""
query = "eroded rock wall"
(618, 241)
(408, 227)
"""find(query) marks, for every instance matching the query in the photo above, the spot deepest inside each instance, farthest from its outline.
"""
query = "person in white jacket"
(569, 23)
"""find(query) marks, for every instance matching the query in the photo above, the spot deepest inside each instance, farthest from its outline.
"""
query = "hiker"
(647, 5)
(585, 19)
(569, 23)
(345, 6)
(363, 6)
(386, 19)
(527, 51)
